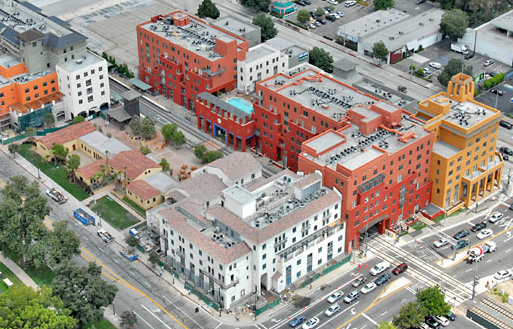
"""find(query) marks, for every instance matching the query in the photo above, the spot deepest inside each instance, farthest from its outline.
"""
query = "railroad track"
(498, 308)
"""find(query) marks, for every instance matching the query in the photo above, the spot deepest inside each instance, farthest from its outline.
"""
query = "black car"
(432, 323)
(451, 316)
(460, 245)
(328, 9)
(497, 91)
(382, 279)
(301, 3)
(308, 2)
(322, 21)
(507, 150)
(331, 18)
(461, 234)
(469, 55)
(505, 124)
(478, 227)
(313, 14)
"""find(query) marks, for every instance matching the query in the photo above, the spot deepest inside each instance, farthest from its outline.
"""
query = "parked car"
(334, 14)
(301, 3)
(335, 296)
(379, 268)
(426, 71)
(495, 217)
(332, 2)
(359, 281)
(368, 288)
(505, 124)
(341, 14)
(484, 234)
(322, 21)
(382, 279)
(451, 316)
(327, 9)
(461, 234)
(312, 323)
(297, 321)
(331, 18)
(502, 274)
(317, 23)
(440, 243)
(332, 310)
(442, 320)
(460, 245)
(507, 150)
(488, 62)
(478, 227)
(431, 322)
(313, 14)
(435, 65)
(351, 297)
(308, 2)
(497, 91)
(400, 268)
(349, 3)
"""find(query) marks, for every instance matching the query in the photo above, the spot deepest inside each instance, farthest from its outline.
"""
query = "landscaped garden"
(58, 174)
(6, 273)
(114, 213)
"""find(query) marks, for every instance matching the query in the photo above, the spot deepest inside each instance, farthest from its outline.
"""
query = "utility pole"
(476, 278)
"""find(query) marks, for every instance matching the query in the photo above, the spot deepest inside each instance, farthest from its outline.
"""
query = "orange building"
(465, 166)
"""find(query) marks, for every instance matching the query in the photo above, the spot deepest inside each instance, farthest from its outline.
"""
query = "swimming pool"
(241, 104)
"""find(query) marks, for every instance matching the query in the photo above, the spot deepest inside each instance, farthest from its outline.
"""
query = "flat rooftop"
(358, 148)
(234, 25)
(197, 36)
(444, 149)
(103, 143)
(504, 22)
(285, 46)
(81, 63)
(318, 92)
(370, 24)
(259, 51)
(26, 77)
(8, 60)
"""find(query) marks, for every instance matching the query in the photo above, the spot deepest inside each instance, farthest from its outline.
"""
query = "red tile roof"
(142, 189)
(67, 134)
(89, 170)
(135, 162)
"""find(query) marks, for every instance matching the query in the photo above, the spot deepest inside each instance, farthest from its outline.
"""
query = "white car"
(379, 268)
(440, 243)
(484, 234)
(442, 320)
(502, 274)
(368, 288)
(332, 310)
(332, 2)
(488, 62)
(341, 14)
(335, 296)
(435, 65)
(312, 323)
(337, 16)
(349, 3)
(496, 216)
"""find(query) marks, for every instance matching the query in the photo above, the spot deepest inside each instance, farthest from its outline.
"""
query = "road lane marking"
(508, 250)
(368, 318)
(384, 313)
(156, 317)
(140, 317)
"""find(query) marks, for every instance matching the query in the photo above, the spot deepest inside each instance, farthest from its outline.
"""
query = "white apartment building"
(266, 233)
(262, 62)
(84, 82)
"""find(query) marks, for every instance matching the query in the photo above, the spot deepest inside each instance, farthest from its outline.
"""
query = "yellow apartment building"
(465, 165)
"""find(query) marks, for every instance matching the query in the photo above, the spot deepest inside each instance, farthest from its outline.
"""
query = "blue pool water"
(241, 104)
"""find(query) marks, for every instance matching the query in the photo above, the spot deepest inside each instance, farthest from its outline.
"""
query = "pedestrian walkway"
(19, 272)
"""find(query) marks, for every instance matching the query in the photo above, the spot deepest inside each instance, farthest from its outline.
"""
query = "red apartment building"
(291, 109)
(181, 56)
(379, 161)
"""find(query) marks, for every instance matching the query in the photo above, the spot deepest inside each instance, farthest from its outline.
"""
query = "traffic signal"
(196, 310)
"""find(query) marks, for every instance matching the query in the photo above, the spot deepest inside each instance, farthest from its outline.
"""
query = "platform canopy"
(140, 84)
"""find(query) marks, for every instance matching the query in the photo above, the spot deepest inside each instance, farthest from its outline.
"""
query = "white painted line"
(489, 260)
(218, 325)
(384, 313)
(468, 270)
(368, 318)
(471, 223)
(117, 261)
(140, 317)
(508, 250)
(156, 317)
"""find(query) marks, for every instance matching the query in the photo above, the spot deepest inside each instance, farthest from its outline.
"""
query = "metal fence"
(201, 296)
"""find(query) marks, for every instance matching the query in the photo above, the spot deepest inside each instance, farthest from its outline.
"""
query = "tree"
(49, 120)
(164, 164)
(144, 150)
(383, 4)
(454, 23)
(178, 138)
(168, 131)
(135, 125)
(380, 50)
(22, 211)
(319, 11)
(59, 152)
(303, 16)
(60, 246)
(83, 291)
(261, 5)
(23, 307)
(153, 258)
(321, 58)
(267, 29)
(411, 315)
(73, 164)
(13, 149)
(453, 67)
(129, 319)
(434, 301)
(212, 156)
(199, 151)
(131, 241)
(147, 128)
(386, 325)
(78, 119)
(208, 9)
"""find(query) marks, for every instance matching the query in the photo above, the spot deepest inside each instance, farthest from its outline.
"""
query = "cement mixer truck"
(477, 253)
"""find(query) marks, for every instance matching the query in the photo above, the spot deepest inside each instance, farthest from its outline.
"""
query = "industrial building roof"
(286, 46)
(370, 24)
(234, 25)
(504, 22)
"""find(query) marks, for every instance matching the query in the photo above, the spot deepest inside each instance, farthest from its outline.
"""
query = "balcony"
(213, 73)
(221, 284)
(179, 254)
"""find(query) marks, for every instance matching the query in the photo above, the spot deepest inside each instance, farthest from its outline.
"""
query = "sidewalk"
(19, 272)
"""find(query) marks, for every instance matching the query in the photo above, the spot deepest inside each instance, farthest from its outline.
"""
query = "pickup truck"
(106, 236)
(56, 195)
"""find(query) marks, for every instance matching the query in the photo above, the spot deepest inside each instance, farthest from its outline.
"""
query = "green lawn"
(6, 273)
(43, 276)
(57, 174)
(114, 213)
(103, 324)
(135, 206)
(419, 225)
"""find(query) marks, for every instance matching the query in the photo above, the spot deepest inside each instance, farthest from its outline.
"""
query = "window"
(89, 90)
(88, 82)
(89, 99)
